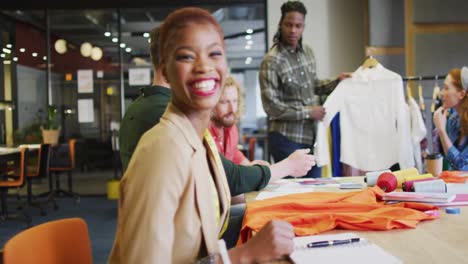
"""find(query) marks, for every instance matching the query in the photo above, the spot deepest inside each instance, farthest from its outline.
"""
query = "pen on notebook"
(332, 242)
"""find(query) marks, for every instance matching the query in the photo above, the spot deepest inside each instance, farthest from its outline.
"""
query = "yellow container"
(403, 174)
(419, 177)
(113, 189)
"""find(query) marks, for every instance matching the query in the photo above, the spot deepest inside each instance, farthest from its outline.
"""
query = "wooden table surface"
(443, 240)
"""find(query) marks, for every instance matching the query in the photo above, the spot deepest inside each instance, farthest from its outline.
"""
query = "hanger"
(422, 106)
(370, 62)
(409, 94)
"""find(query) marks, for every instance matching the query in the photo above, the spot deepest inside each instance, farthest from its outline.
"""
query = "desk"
(442, 240)
(8, 154)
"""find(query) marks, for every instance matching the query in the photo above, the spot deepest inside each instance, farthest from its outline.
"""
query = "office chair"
(41, 170)
(10, 183)
(64, 163)
(252, 142)
(55, 242)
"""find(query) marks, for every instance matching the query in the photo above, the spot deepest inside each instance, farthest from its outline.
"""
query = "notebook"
(460, 200)
(362, 252)
(419, 197)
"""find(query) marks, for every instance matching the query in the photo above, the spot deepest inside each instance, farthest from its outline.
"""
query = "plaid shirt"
(289, 87)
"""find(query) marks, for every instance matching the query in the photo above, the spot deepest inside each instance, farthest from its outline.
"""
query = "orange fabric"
(56, 242)
(454, 176)
(313, 213)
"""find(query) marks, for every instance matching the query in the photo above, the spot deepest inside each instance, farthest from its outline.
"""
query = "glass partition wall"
(91, 63)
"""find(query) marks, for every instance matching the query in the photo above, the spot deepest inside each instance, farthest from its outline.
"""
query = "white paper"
(139, 76)
(100, 74)
(85, 111)
(286, 187)
(362, 252)
(85, 81)
(268, 195)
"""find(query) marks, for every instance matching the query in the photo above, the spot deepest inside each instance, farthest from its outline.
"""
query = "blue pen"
(332, 242)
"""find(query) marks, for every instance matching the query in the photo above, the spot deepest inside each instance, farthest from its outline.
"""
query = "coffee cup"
(434, 164)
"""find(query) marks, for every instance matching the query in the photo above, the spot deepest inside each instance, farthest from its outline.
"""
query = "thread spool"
(372, 176)
(387, 181)
(407, 186)
(452, 210)
(419, 177)
(457, 188)
(435, 186)
(401, 175)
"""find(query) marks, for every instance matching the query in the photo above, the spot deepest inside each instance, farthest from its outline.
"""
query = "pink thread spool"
(408, 185)
(387, 181)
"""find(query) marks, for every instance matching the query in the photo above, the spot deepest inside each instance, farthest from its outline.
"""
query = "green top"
(145, 112)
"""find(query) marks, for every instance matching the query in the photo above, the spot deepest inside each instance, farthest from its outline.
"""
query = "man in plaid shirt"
(290, 88)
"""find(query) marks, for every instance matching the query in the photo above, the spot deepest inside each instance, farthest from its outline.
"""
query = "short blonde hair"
(230, 81)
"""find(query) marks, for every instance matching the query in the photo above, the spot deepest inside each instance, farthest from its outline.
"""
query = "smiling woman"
(174, 198)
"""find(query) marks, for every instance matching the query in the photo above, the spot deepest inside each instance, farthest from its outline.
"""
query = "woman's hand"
(273, 241)
(440, 119)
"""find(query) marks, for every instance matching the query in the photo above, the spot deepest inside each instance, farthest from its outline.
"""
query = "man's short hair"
(230, 81)
(293, 6)
(286, 7)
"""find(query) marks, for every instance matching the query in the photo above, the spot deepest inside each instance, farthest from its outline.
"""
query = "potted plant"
(50, 129)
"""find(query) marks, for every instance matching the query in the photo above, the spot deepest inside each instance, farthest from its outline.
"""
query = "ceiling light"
(6, 50)
(107, 34)
(146, 35)
(249, 31)
(15, 58)
(128, 49)
(85, 49)
(60, 46)
(123, 45)
(44, 58)
(247, 47)
(2, 55)
(9, 45)
(248, 37)
(96, 53)
(115, 40)
(249, 42)
(22, 49)
(6, 62)
(34, 54)
(149, 40)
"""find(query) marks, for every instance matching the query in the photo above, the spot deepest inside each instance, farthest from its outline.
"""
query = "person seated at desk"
(223, 126)
(173, 208)
(146, 111)
(453, 132)
(225, 132)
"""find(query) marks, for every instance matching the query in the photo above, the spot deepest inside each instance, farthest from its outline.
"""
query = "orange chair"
(40, 170)
(68, 167)
(252, 143)
(9, 183)
(56, 242)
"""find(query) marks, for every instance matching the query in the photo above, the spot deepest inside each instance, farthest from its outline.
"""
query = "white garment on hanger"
(418, 131)
(374, 121)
